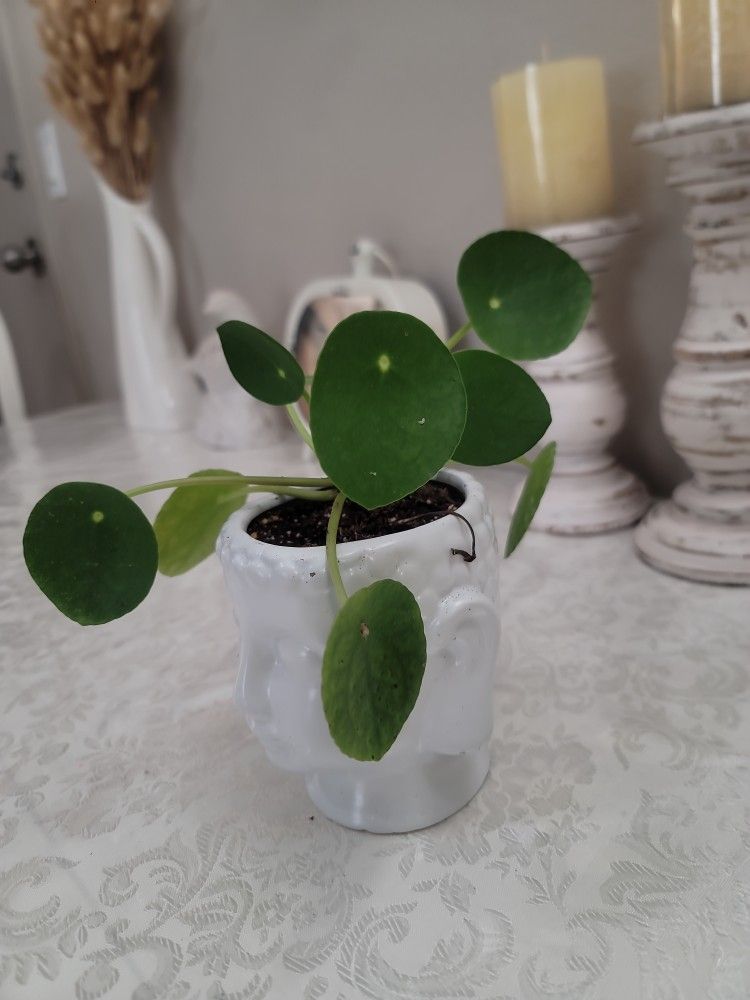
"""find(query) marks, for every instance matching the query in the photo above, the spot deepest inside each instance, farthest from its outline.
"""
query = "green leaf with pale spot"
(373, 666)
(507, 411)
(261, 365)
(531, 497)
(388, 406)
(189, 522)
(91, 550)
(525, 297)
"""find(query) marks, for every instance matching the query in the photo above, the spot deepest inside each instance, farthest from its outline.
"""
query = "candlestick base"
(703, 532)
(589, 491)
(700, 535)
(579, 502)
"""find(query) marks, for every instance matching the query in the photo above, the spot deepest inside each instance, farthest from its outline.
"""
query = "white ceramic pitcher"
(158, 391)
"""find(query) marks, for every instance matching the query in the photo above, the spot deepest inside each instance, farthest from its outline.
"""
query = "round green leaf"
(372, 669)
(388, 406)
(531, 497)
(261, 365)
(91, 550)
(507, 412)
(526, 298)
(188, 524)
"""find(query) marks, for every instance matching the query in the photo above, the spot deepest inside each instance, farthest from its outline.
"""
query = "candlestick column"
(590, 492)
(703, 532)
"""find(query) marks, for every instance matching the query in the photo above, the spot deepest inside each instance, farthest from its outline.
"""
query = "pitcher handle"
(164, 267)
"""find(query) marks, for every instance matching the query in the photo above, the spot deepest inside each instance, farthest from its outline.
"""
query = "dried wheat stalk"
(103, 57)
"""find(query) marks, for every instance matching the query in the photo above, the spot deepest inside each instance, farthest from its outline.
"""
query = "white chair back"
(12, 402)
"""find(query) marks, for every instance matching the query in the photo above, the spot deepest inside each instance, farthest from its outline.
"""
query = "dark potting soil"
(304, 522)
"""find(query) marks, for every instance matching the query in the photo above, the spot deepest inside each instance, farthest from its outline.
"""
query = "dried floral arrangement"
(103, 59)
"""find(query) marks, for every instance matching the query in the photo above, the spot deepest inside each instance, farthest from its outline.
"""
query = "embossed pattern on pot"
(284, 604)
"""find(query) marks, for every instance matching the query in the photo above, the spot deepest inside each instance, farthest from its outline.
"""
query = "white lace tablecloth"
(148, 850)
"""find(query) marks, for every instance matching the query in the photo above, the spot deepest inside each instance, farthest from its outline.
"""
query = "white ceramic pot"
(284, 605)
(159, 392)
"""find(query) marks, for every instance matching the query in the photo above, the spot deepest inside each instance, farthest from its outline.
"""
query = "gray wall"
(290, 127)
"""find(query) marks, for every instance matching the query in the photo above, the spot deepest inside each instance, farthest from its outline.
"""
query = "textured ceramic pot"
(285, 605)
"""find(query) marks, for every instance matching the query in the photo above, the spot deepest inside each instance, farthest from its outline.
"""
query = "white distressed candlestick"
(703, 532)
(589, 491)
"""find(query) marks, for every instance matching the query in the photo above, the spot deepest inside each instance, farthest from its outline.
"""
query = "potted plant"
(365, 597)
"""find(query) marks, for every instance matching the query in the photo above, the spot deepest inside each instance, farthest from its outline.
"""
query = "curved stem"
(332, 560)
(468, 557)
(271, 482)
(458, 336)
(299, 425)
(524, 462)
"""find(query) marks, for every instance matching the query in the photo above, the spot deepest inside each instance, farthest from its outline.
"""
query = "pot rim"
(235, 529)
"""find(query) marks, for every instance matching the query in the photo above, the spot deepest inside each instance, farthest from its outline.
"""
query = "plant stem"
(299, 425)
(306, 395)
(458, 336)
(332, 559)
(524, 461)
(273, 483)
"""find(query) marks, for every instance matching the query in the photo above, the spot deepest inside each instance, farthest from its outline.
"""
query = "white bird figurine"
(227, 417)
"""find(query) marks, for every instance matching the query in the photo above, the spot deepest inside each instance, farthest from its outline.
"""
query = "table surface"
(149, 850)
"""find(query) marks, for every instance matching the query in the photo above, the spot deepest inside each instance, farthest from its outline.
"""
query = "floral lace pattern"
(149, 850)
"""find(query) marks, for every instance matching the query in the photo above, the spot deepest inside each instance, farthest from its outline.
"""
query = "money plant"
(390, 405)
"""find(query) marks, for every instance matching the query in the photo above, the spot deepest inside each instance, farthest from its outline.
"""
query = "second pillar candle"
(553, 137)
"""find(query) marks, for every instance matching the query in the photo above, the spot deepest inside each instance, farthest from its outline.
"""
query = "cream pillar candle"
(553, 137)
(706, 53)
